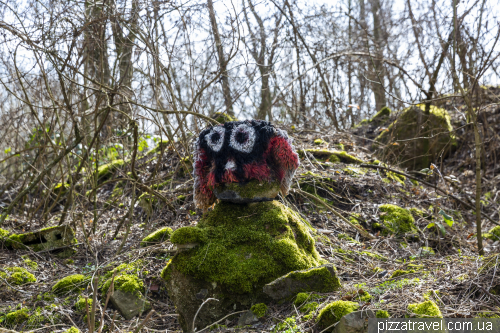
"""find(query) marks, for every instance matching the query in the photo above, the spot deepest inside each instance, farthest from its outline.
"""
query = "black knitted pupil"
(241, 137)
(215, 137)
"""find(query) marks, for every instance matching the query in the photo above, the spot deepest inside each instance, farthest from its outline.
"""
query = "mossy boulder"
(427, 309)
(156, 237)
(417, 139)
(253, 191)
(57, 240)
(397, 220)
(70, 284)
(128, 296)
(17, 275)
(334, 311)
(321, 279)
(234, 251)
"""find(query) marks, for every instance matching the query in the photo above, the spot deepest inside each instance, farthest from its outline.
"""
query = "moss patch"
(382, 314)
(397, 220)
(400, 272)
(333, 311)
(126, 283)
(72, 329)
(427, 309)
(17, 317)
(80, 304)
(333, 156)
(17, 275)
(156, 237)
(105, 171)
(243, 247)
(70, 284)
(247, 191)
(259, 310)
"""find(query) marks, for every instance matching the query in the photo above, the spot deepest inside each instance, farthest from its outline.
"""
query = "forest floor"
(450, 274)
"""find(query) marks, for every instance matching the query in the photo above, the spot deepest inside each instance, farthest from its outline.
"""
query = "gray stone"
(129, 304)
(247, 318)
(322, 279)
(354, 322)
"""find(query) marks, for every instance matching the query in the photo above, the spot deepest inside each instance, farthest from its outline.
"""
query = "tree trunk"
(226, 91)
(378, 70)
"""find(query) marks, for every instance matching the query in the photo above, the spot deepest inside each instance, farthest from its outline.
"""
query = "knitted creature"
(238, 152)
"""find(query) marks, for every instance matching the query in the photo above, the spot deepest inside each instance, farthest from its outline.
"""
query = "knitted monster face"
(238, 152)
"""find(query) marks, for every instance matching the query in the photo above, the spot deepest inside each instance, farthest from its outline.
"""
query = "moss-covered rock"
(70, 284)
(156, 237)
(382, 115)
(493, 233)
(253, 191)
(428, 137)
(427, 309)
(397, 220)
(126, 283)
(17, 275)
(318, 142)
(239, 249)
(56, 239)
(4, 238)
(334, 311)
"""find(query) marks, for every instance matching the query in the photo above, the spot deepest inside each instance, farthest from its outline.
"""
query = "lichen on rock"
(156, 237)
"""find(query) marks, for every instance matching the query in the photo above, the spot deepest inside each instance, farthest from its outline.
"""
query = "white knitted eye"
(242, 138)
(215, 138)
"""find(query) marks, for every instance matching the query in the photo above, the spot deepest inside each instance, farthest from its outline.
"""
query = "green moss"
(45, 315)
(427, 309)
(61, 188)
(156, 237)
(70, 284)
(347, 158)
(252, 189)
(222, 117)
(373, 255)
(347, 238)
(333, 156)
(301, 298)
(397, 220)
(31, 264)
(126, 283)
(259, 310)
(243, 247)
(72, 329)
(355, 218)
(329, 282)
(318, 142)
(289, 325)
(400, 272)
(105, 171)
(17, 317)
(494, 233)
(309, 307)
(161, 145)
(125, 268)
(382, 314)
(487, 314)
(17, 275)
(80, 304)
(383, 114)
(363, 296)
(427, 251)
(333, 311)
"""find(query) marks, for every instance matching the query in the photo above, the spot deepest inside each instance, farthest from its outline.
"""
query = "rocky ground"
(421, 245)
